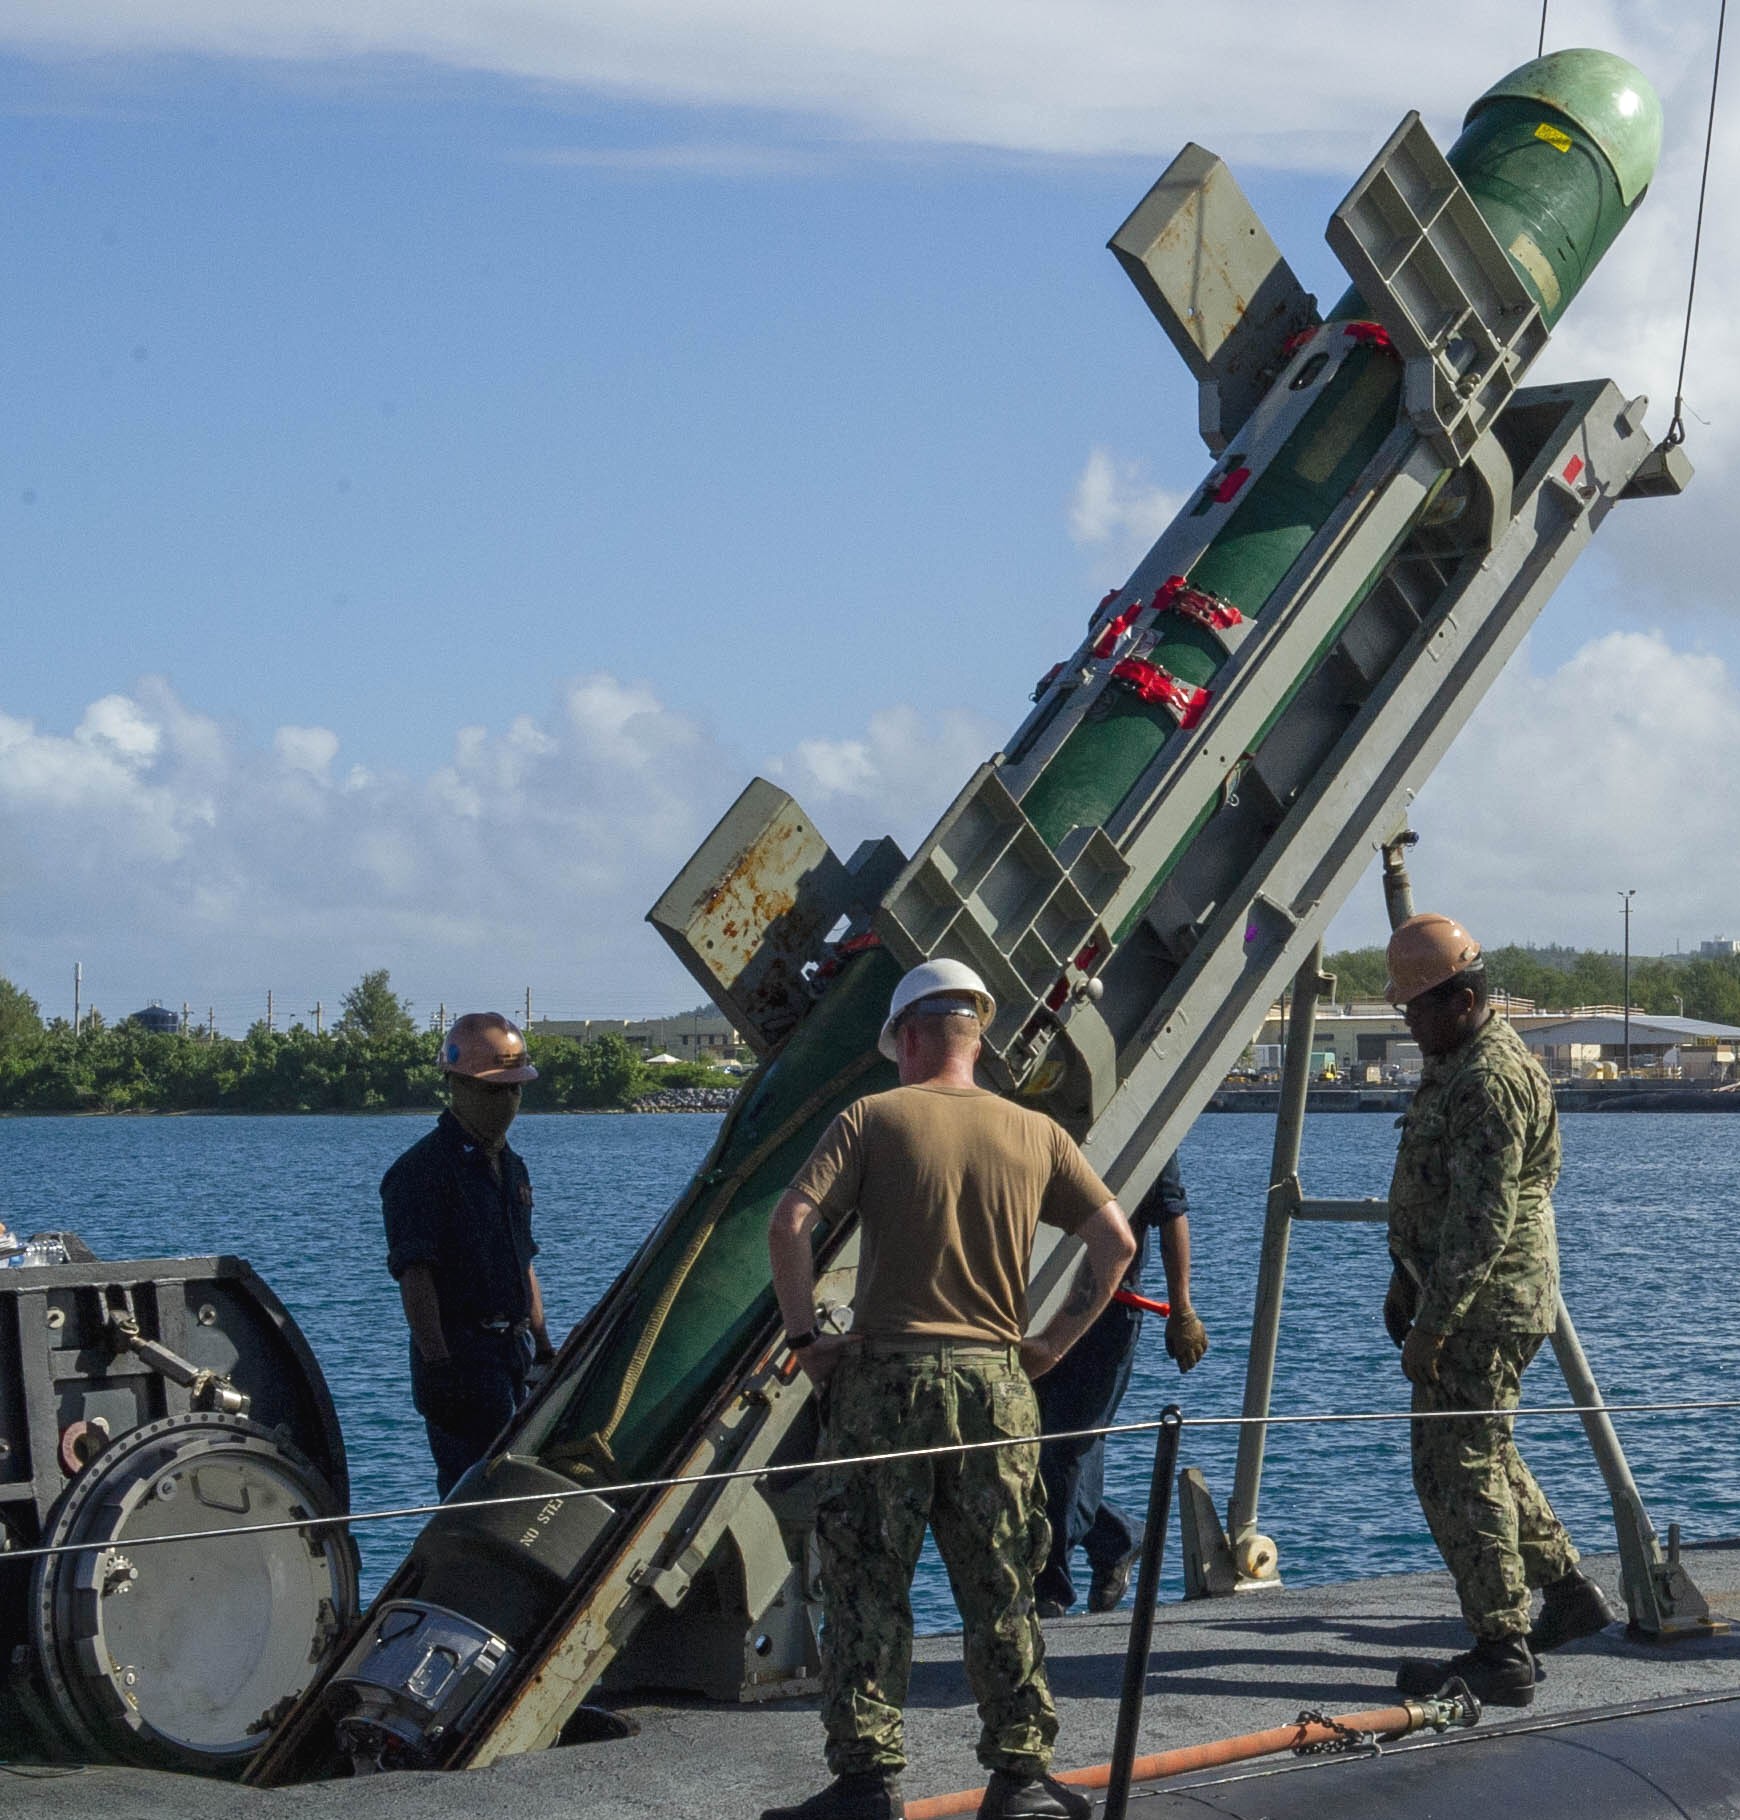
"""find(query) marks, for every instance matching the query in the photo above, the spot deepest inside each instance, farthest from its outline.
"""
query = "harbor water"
(1644, 1209)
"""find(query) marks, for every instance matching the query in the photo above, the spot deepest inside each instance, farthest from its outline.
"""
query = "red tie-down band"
(1178, 596)
(1148, 682)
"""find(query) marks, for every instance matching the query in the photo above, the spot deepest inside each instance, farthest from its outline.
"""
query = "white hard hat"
(934, 979)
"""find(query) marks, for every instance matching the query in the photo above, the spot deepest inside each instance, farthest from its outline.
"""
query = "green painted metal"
(704, 1290)
(1608, 99)
(1283, 510)
(1555, 157)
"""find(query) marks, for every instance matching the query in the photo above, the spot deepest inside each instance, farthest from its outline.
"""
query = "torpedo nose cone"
(1609, 99)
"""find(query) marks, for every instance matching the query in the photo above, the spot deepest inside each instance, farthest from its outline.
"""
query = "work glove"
(1400, 1301)
(1186, 1337)
(1420, 1356)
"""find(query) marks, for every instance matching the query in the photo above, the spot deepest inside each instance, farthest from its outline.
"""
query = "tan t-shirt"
(949, 1184)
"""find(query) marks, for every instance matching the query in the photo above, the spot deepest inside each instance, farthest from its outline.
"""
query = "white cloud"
(189, 869)
(309, 750)
(116, 722)
(1612, 771)
(1094, 77)
(896, 778)
(1116, 507)
(531, 855)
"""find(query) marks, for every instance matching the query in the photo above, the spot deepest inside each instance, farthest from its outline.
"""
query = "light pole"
(1625, 898)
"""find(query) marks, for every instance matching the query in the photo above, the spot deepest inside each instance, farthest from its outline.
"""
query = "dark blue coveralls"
(1083, 1390)
(445, 1207)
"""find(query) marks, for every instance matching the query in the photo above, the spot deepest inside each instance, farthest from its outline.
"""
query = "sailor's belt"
(915, 1345)
(504, 1327)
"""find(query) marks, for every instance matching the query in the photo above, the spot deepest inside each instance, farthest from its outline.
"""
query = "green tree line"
(375, 1059)
(1558, 978)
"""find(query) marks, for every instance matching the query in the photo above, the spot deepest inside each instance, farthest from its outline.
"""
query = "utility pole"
(211, 1023)
(268, 1010)
(441, 1019)
(78, 984)
(528, 1009)
(319, 1027)
(1625, 898)
(186, 1022)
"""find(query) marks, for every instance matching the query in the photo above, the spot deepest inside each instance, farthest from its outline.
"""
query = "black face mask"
(484, 1109)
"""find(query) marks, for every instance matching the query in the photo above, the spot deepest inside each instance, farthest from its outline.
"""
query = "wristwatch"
(798, 1341)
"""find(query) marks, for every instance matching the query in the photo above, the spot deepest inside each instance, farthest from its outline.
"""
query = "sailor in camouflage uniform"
(1474, 1292)
(949, 1183)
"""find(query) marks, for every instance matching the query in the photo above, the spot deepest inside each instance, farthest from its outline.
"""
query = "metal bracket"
(205, 1389)
(1217, 284)
(1432, 272)
(754, 906)
(1208, 1564)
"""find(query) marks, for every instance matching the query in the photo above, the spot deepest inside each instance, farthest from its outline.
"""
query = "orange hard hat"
(1424, 952)
(485, 1046)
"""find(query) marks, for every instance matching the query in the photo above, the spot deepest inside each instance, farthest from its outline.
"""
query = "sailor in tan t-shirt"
(950, 1184)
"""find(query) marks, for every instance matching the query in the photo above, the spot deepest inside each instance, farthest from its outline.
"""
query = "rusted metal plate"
(752, 909)
(1215, 281)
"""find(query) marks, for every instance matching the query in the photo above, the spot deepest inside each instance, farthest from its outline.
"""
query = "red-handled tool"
(1130, 1299)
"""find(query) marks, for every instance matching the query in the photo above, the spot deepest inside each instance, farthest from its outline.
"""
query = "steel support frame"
(1660, 1595)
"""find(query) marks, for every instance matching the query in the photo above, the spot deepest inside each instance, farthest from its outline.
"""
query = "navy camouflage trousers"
(1492, 1523)
(989, 1521)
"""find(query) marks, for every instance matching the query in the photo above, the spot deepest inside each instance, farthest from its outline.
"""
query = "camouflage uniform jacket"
(1471, 1210)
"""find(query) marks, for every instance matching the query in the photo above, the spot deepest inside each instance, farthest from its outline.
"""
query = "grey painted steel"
(86, 1406)
(1348, 693)
(1660, 1595)
(1432, 272)
(1217, 284)
(1336, 817)
(1253, 1559)
(415, 1672)
(185, 1654)
(753, 908)
(767, 1417)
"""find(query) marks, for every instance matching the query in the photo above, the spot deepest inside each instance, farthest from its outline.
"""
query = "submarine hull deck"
(1220, 1667)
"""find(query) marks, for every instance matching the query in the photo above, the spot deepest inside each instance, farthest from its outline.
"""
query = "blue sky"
(445, 465)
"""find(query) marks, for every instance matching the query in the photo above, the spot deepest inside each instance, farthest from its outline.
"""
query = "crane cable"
(1677, 428)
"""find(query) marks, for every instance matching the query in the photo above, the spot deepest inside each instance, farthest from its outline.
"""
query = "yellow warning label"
(1559, 140)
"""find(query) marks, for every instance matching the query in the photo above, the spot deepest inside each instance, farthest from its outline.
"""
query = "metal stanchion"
(1142, 1621)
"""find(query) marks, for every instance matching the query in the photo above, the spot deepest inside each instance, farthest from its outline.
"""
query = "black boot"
(1497, 1671)
(1107, 1588)
(1572, 1606)
(1013, 1796)
(859, 1794)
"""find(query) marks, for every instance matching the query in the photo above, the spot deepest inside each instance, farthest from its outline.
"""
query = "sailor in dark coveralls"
(458, 1209)
(1085, 1390)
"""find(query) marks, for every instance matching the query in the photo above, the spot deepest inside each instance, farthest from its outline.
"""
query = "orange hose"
(1386, 1722)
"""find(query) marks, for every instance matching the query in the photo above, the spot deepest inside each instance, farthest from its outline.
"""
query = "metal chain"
(1345, 1742)
(1677, 429)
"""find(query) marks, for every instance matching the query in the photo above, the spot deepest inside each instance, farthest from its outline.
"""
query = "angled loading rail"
(1152, 857)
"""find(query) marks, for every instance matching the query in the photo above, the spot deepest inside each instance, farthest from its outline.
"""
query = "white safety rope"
(398, 1513)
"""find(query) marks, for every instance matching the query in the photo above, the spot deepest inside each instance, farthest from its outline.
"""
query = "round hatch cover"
(186, 1654)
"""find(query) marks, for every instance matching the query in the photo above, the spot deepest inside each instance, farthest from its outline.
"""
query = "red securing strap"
(1055, 997)
(1295, 342)
(1178, 596)
(1107, 642)
(1148, 682)
(1047, 680)
(1374, 334)
(1230, 484)
(856, 944)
